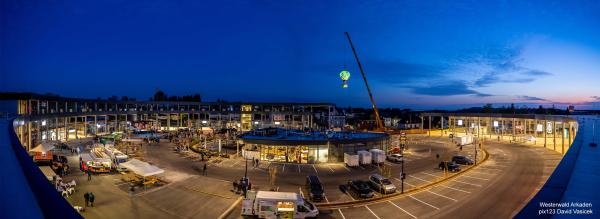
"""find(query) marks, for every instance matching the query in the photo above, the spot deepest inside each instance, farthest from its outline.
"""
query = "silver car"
(396, 158)
(381, 184)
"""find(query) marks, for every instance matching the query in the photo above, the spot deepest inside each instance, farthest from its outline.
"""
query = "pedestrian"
(89, 173)
(91, 199)
(86, 196)
(204, 170)
(235, 186)
(437, 156)
(131, 190)
(257, 162)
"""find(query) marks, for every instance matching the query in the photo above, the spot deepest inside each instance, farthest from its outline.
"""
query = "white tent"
(141, 168)
(43, 147)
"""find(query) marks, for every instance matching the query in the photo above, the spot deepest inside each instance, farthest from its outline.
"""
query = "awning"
(141, 168)
(43, 147)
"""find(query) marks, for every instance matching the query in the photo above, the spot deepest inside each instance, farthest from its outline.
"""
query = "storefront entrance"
(295, 154)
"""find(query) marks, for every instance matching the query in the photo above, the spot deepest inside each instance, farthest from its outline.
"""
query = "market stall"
(95, 164)
(42, 152)
(49, 173)
(144, 172)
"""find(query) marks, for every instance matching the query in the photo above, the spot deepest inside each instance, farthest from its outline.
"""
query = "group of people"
(242, 186)
(89, 199)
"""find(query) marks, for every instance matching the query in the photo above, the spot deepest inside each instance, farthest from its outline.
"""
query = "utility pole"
(362, 72)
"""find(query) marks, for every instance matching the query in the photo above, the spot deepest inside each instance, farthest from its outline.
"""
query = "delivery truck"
(351, 160)
(364, 157)
(267, 204)
(378, 156)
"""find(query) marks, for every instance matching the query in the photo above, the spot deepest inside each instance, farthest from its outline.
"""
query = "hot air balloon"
(344, 75)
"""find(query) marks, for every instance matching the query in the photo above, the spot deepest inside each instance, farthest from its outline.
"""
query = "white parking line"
(487, 168)
(455, 189)
(301, 193)
(341, 214)
(480, 172)
(330, 168)
(347, 168)
(316, 172)
(326, 199)
(424, 202)
(283, 168)
(475, 177)
(455, 180)
(372, 212)
(440, 195)
(298, 167)
(402, 209)
(420, 179)
(431, 175)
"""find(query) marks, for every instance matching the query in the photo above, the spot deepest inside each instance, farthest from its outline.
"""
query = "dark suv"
(452, 167)
(459, 159)
(360, 188)
(314, 188)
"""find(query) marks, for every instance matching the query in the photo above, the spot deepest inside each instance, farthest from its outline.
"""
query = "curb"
(230, 209)
(336, 205)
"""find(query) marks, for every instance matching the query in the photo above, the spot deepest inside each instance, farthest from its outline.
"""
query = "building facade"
(43, 117)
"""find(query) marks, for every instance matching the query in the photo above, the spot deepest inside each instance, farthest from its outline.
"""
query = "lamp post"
(402, 174)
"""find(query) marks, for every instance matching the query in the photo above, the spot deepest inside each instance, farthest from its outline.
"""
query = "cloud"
(596, 98)
(530, 98)
(450, 88)
(504, 67)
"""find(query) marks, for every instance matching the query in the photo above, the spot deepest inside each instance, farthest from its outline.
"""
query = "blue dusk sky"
(417, 54)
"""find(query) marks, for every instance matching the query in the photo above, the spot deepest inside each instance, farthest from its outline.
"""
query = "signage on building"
(460, 122)
(549, 127)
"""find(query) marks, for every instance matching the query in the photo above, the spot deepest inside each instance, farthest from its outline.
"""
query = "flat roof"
(280, 136)
(502, 115)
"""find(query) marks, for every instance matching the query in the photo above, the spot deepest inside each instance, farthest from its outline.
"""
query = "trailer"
(364, 157)
(465, 140)
(351, 160)
(266, 204)
(378, 156)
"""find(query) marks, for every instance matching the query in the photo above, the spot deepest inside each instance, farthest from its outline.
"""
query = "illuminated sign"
(549, 127)
(495, 123)
(539, 128)
(460, 122)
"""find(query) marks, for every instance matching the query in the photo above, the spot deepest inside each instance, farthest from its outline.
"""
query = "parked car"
(314, 188)
(382, 184)
(360, 188)
(396, 158)
(453, 167)
(459, 159)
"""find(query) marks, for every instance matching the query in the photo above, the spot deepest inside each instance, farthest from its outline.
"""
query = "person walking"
(86, 196)
(257, 162)
(89, 173)
(204, 169)
(91, 199)
(235, 186)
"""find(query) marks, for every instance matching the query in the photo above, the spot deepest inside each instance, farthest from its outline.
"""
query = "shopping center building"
(296, 146)
(550, 131)
(45, 117)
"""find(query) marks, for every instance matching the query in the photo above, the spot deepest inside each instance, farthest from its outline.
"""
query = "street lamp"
(402, 174)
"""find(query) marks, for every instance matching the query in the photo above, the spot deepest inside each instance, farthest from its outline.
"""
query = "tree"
(159, 95)
(487, 108)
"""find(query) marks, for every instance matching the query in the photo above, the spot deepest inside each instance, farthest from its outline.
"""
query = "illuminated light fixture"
(495, 123)
(539, 128)
(71, 130)
(238, 125)
(277, 123)
(43, 122)
(98, 125)
(204, 121)
(549, 127)
(256, 122)
(344, 75)
(460, 122)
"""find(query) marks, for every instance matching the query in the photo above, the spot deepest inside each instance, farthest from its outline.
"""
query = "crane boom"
(377, 118)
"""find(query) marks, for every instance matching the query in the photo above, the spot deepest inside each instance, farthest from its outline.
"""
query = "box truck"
(364, 157)
(351, 160)
(266, 204)
(378, 156)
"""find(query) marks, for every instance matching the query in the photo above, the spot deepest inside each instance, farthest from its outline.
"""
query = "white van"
(266, 204)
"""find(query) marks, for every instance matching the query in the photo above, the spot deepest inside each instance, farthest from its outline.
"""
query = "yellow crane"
(379, 124)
